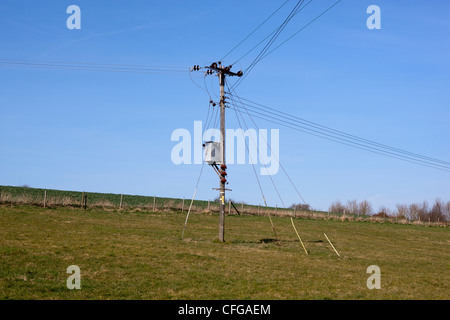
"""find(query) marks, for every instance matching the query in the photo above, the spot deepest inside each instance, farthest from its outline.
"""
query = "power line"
(281, 165)
(259, 43)
(271, 179)
(267, 19)
(273, 111)
(216, 119)
(93, 64)
(265, 54)
(304, 27)
(256, 176)
(347, 141)
(270, 42)
(93, 67)
(351, 145)
(195, 83)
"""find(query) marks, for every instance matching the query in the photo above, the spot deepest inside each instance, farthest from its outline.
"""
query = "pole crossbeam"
(223, 70)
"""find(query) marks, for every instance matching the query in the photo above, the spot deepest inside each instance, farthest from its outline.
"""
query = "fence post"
(84, 200)
(121, 198)
(258, 208)
(45, 198)
(208, 203)
(182, 206)
(154, 202)
(229, 207)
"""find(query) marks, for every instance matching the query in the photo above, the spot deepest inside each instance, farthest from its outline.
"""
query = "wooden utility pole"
(222, 135)
(222, 72)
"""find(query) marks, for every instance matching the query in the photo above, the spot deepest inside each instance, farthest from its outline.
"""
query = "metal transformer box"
(213, 152)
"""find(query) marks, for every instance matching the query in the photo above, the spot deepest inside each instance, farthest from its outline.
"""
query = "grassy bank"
(58, 198)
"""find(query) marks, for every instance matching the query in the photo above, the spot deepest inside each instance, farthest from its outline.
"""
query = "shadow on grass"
(271, 240)
(263, 241)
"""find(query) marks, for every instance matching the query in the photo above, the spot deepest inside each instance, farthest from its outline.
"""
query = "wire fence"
(49, 198)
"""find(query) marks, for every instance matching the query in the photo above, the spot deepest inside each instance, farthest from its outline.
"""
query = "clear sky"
(111, 131)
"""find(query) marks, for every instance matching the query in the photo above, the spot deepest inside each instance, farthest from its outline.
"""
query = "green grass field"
(139, 255)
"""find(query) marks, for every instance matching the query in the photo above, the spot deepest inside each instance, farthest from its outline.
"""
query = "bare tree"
(336, 207)
(440, 211)
(352, 207)
(301, 207)
(365, 208)
(402, 211)
(423, 211)
(414, 211)
(437, 212)
(447, 211)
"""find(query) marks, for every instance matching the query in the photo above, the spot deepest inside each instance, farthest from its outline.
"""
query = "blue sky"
(110, 132)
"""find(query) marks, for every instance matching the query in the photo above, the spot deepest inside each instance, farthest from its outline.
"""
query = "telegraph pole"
(222, 72)
(223, 165)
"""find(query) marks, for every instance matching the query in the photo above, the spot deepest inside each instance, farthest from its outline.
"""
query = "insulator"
(223, 166)
(214, 104)
(223, 180)
(223, 173)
